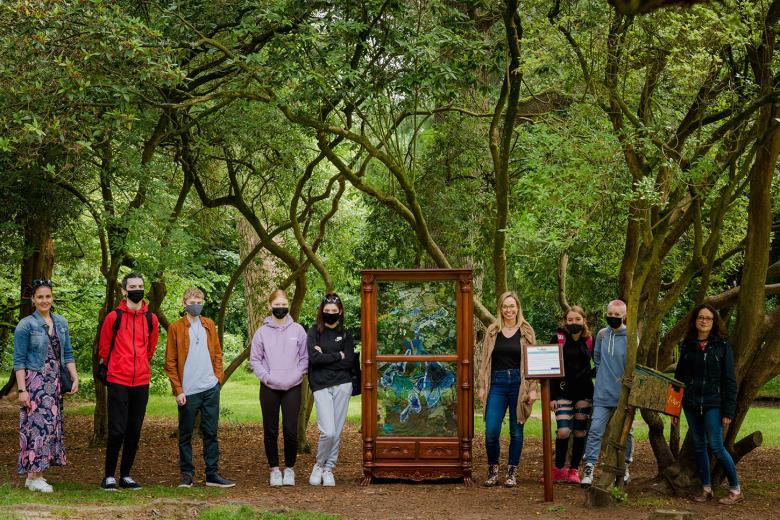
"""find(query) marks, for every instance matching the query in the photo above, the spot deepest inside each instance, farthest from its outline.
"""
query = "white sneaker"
(327, 478)
(626, 477)
(587, 475)
(276, 477)
(289, 477)
(316, 475)
(39, 484)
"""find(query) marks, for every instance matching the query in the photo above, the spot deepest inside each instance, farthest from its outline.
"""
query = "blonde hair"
(579, 310)
(500, 315)
(193, 292)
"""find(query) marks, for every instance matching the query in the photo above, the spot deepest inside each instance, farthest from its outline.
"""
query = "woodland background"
(561, 149)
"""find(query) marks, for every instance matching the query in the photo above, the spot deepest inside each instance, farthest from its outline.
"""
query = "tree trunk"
(260, 277)
(674, 440)
(663, 453)
(159, 290)
(38, 263)
(304, 414)
(100, 415)
(155, 296)
(563, 267)
(681, 478)
(307, 399)
(6, 318)
(751, 302)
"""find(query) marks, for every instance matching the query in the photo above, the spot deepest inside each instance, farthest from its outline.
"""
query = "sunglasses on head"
(331, 299)
(41, 282)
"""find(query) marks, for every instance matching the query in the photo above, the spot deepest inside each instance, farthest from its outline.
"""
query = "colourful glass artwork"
(416, 318)
(417, 399)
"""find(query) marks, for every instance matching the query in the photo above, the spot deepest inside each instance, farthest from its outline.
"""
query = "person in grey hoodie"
(609, 355)
(279, 358)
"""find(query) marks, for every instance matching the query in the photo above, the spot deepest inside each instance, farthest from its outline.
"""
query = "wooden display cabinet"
(418, 372)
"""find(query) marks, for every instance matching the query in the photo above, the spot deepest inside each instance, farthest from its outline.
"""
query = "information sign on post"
(544, 362)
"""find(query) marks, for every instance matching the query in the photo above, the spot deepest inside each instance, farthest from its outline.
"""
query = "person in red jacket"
(128, 338)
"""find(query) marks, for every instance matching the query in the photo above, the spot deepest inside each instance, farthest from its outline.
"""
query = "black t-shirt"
(578, 383)
(506, 354)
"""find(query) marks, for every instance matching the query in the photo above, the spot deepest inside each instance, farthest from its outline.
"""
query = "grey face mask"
(194, 309)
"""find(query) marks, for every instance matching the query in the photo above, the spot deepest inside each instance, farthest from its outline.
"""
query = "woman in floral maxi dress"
(41, 345)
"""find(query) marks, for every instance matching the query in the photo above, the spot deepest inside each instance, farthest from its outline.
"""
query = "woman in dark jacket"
(571, 398)
(706, 366)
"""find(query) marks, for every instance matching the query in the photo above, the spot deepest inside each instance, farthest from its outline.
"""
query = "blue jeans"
(598, 425)
(707, 430)
(504, 392)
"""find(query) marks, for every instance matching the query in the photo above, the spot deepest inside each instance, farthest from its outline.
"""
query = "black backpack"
(102, 369)
(356, 375)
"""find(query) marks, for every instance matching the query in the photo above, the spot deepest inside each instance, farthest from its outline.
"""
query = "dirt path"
(243, 460)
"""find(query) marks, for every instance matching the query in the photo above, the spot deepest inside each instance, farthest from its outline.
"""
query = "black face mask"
(330, 319)
(574, 328)
(279, 312)
(136, 295)
(614, 321)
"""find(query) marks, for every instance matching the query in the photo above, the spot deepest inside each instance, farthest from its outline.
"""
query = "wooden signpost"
(544, 362)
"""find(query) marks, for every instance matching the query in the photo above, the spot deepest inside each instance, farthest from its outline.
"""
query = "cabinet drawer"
(439, 449)
(386, 449)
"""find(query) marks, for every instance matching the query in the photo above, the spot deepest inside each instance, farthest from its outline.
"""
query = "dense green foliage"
(356, 135)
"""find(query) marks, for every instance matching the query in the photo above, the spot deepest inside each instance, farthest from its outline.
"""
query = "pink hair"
(620, 304)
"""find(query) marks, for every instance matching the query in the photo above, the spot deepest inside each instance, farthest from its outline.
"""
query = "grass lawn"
(240, 404)
(63, 502)
(771, 389)
(80, 493)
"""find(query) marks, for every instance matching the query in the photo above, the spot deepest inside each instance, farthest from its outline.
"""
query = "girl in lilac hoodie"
(279, 359)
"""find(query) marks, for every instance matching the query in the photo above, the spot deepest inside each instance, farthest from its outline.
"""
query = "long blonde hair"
(500, 315)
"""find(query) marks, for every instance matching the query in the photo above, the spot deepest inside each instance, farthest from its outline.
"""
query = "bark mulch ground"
(242, 459)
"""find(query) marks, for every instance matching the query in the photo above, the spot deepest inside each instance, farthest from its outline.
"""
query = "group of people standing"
(706, 367)
(282, 353)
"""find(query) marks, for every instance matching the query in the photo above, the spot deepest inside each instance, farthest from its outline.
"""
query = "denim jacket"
(31, 341)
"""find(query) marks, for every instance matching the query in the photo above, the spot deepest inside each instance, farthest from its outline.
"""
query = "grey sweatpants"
(331, 404)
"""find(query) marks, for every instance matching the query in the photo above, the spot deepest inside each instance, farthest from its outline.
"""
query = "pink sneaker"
(573, 476)
(558, 475)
